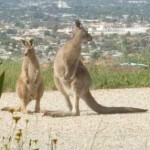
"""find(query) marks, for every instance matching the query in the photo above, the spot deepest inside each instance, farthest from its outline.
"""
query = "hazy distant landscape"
(119, 27)
(120, 48)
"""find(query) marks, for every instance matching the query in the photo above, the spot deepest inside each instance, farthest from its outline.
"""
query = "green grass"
(48, 78)
(102, 76)
(108, 77)
(12, 71)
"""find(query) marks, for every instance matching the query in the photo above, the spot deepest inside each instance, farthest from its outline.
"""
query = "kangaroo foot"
(59, 114)
(37, 110)
(25, 111)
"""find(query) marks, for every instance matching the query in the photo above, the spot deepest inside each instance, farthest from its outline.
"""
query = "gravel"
(89, 131)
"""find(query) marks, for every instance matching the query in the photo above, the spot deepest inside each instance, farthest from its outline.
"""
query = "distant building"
(86, 56)
(137, 2)
(67, 30)
(62, 4)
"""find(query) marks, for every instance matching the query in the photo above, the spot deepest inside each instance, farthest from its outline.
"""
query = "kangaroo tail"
(91, 102)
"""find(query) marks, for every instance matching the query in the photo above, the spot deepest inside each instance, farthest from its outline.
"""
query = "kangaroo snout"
(25, 54)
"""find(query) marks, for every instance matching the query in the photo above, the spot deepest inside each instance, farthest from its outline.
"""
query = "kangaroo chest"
(32, 90)
(32, 69)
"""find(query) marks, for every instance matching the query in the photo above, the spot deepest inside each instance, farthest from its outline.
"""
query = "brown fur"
(72, 78)
(30, 84)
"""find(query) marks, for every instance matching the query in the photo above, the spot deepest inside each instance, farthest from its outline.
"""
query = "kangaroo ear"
(78, 23)
(31, 42)
(24, 43)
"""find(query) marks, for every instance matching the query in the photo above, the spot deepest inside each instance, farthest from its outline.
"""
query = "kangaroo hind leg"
(62, 90)
(68, 102)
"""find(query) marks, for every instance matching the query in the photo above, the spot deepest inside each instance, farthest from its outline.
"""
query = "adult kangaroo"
(72, 78)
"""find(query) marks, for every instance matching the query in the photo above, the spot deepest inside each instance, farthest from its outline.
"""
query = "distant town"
(119, 28)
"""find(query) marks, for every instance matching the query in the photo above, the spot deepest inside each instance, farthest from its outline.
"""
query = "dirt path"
(89, 131)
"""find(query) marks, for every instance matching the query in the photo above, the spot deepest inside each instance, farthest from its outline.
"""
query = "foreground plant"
(2, 75)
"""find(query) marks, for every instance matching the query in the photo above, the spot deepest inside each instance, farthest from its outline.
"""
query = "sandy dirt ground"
(89, 131)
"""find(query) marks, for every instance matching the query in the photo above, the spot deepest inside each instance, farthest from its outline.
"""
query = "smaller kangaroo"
(73, 79)
(30, 84)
